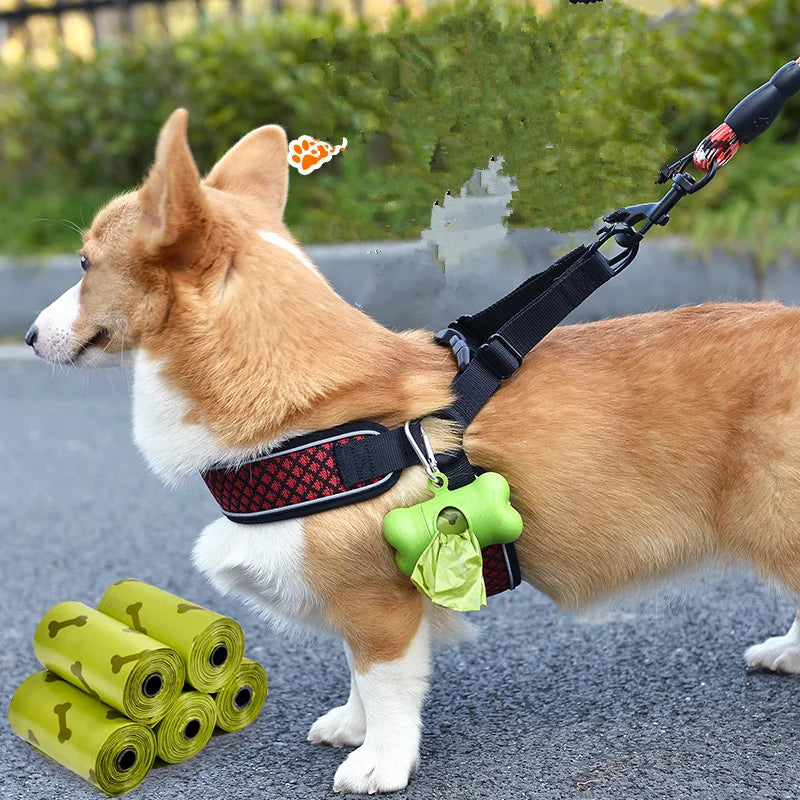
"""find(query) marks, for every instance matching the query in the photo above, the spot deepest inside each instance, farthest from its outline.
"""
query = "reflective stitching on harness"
(305, 503)
(321, 441)
(511, 584)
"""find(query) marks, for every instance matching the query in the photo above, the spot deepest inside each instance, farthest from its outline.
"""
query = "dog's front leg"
(345, 725)
(392, 693)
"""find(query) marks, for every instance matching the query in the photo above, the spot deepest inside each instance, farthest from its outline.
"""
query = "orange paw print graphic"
(308, 154)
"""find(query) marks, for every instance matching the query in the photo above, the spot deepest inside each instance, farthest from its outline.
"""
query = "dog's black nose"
(30, 336)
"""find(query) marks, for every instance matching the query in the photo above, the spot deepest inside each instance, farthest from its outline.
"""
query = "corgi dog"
(634, 447)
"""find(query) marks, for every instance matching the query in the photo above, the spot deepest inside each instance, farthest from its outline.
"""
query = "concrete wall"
(403, 285)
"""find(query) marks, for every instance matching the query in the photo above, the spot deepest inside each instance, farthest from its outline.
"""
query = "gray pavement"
(645, 700)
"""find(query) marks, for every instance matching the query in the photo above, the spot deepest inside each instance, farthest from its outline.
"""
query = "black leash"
(489, 346)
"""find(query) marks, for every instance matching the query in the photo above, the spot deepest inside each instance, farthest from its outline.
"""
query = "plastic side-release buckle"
(500, 356)
(456, 341)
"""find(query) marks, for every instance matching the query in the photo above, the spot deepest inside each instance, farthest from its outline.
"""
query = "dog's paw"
(369, 770)
(778, 653)
(342, 727)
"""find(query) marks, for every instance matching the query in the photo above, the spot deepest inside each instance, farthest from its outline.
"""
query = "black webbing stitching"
(458, 469)
(483, 324)
(375, 456)
(512, 563)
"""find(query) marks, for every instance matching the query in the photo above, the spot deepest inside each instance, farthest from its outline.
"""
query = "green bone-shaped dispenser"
(485, 503)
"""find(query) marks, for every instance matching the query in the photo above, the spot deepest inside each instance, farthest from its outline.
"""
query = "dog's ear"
(256, 166)
(174, 210)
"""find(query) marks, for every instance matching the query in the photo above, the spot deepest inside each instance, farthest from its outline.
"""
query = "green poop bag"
(240, 700)
(187, 727)
(450, 569)
(211, 645)
(110, 661)
(438, 542)
(81, 733)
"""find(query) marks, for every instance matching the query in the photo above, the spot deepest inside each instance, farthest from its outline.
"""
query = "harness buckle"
(457, 342)
(500, 356)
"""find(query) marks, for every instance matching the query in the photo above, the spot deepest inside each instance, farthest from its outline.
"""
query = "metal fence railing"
(41, 27)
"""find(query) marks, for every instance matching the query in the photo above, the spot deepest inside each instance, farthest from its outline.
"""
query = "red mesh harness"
(304, 477)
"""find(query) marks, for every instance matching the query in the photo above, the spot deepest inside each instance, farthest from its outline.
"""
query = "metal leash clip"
(428, 458)
(622, 221)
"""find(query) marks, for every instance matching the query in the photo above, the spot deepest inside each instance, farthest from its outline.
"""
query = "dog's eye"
(85, 263)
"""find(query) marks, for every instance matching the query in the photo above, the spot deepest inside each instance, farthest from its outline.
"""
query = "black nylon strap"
(458, 469)
(515, 576)
(373, 456)
(479, 327)
(535, 308)
(501, 335)
(564, 294)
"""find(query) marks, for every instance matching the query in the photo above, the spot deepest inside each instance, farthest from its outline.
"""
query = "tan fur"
(633, 447)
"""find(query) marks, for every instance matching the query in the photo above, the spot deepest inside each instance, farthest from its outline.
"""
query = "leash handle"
(749, 119)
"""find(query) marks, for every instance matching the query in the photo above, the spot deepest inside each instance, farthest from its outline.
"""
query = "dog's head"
(203, 280)
(177, 236)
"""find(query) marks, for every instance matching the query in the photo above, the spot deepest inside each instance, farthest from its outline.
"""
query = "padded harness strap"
(507, 331)
(302, 477)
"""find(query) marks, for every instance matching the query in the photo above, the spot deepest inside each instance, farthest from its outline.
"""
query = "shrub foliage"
(584, 104)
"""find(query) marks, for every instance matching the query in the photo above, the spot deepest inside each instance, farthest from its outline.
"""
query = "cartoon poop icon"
(308, 154)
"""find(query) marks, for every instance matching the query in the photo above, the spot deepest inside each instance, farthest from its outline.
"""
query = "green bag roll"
(111, 662)
(187, 727)
(241, 699)
(81, 733)
(211, 645)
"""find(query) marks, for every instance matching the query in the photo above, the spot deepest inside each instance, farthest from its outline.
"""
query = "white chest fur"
(174, 449)
(260, 563)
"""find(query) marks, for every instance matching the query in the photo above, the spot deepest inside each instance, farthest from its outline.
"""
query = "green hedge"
(422, 104)
(583, 104)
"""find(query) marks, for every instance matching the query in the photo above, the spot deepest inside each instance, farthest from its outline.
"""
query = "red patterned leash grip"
(720, 145)
(751, 117)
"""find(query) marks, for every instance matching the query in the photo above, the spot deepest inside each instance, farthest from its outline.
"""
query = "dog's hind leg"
(392, 692)
(778, 653)
(345, 725)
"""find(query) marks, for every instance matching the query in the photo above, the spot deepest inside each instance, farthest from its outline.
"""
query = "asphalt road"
(649, 699)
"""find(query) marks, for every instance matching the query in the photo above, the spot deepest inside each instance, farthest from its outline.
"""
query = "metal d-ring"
(428, 458)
